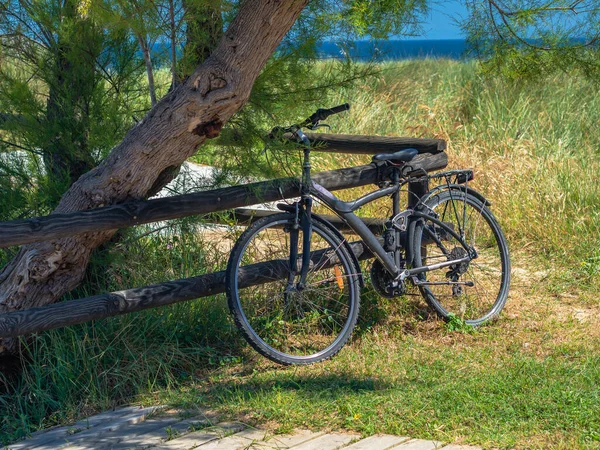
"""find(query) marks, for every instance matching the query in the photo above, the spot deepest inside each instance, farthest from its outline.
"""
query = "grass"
(460, 394)
(529, 380)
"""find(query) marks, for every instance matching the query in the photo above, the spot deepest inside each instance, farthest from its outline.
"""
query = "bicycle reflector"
(338, 277)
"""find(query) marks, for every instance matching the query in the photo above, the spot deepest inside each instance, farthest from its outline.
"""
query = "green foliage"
(383, 18)
(535, 39)
(68, 90)
(591, 265)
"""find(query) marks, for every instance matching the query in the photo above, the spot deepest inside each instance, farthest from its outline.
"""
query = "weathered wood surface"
(121, 302)
(421, 444)
(102, 423)
(369, 145)
(19, 232)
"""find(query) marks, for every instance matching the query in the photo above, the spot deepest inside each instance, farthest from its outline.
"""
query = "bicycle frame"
(345, 210)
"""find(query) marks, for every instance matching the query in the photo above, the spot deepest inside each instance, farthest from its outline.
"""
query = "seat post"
(396, 195)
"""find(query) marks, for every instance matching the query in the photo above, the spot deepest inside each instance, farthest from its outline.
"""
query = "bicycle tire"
(451, 302)
(244, 307)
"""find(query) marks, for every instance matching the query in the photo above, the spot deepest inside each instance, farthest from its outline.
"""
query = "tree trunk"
(170, 133)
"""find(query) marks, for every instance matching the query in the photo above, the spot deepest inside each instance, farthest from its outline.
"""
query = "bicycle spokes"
(474, 282)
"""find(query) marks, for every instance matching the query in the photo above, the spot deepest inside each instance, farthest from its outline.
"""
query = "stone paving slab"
(123, 422)
(379, 442)
(285, 441)
(135, 428)
(460, 447)
(330, 441)
(45, 436)
(419, 444)
(238, 441)
(126, 438)
(110, 439)
(60, 437)
(146, 434)
(198, 438)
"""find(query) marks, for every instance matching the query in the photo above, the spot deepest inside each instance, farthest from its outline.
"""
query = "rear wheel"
(474, 291)
(282, 321)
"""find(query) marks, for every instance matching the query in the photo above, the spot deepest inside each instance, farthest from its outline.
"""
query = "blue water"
(376, 50)
(395, 49)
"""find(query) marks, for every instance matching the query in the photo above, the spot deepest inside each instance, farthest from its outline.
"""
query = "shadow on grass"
(325, 385)
(234, 398)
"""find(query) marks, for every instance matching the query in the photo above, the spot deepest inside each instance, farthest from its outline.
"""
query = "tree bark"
(170, 133)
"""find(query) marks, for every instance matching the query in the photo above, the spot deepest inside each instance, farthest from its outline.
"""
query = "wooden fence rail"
(19, 232)
(72, 312)
(363, 145)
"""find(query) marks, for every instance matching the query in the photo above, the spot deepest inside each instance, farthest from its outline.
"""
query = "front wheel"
(286, 321)
(474, 291)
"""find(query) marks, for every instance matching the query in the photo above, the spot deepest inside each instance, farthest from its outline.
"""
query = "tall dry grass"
(535, 148)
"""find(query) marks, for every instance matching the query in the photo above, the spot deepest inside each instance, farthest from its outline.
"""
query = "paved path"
(156, 428)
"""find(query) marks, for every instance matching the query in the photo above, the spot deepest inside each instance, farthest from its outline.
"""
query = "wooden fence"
(19, 232)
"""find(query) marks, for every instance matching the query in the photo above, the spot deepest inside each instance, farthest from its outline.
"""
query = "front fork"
(302, 221)
(306, 225)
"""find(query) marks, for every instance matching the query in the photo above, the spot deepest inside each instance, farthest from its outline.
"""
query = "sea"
(373, 50)
(395, 49)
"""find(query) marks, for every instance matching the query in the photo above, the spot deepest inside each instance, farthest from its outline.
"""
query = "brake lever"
(319, 125)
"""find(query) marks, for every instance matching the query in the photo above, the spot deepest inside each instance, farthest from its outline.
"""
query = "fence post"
(416, 190)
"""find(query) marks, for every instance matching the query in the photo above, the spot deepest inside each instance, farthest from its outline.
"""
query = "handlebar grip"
(324, 113)
(338, 109)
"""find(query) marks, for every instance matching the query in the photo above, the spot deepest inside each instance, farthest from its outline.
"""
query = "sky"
(440, 23)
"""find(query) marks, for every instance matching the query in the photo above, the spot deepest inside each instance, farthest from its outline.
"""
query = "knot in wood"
(97, 198)
(213, 81)
(210, 129)
(217, 83)
(131, 207)
(35, 224)
(114, 300)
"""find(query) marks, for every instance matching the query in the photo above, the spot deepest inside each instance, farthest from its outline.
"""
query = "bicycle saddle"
(401, 156)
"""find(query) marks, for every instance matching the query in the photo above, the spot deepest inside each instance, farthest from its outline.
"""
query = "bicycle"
(446, 242)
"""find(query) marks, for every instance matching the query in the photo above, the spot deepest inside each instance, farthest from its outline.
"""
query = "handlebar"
(324, 113)
(310, 122)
